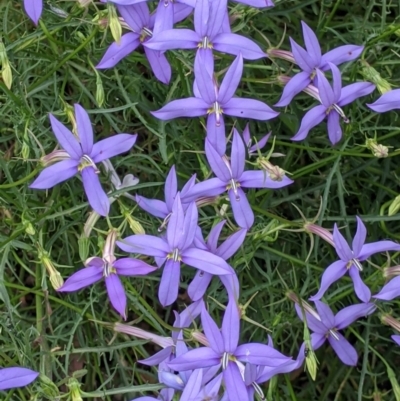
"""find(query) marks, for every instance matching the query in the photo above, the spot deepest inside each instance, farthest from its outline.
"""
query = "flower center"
(205, 43)
(234, 185)
(174, 255)
(334, 334)
(86, 161)
(356, 263)
(216, 108)
(146, 33)
(339, 110)
(226, 357)
(108, 269)
(258, 390)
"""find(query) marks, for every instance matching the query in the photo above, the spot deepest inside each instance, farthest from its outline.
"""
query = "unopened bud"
(378, 150)
(99, 90)
(274, 172)
(55, 277)
(29, 229)
(83, 246)
(389, 272)
(311, 363)
(390, 321)
(282, 54)
(54, 157)
(115, 24)
(135, 226)
(74, 389)
(200, 337)
(372, 75)
(320, 231)
(6, 73)
(394, 206)
(69, 111)
(47, 388)
(90, 223)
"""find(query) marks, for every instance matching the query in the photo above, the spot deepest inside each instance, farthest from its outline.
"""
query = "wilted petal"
(159, 64)
(206, 261)
(212, 332)
(361, 289)
(354, 91)
(241, 208)
(312, 44)
(204, 80)
(197, 358)
(155, 207)
(344, 350)
(232, 43)
(311, 119)
(33, 9)
(261, 179)
(211, 187)
(97, 198)
(302, 58)
(189, 107)
(296, 84)
(334, 128)
(55, 174)
(117, 51)
(377, 247)
(16, 377)
(169, 284)
(116, 293)
(331, 274)
(231, 80)
(260, 354)
(234, 384)
(342, 247)
(132, 267)
(351, 313)
(174, 39)
(231, 244)
(325, 90)
(82, 278)
(231, 327)
(112, 146)
(145, 245)
(341, 54)
(249, 108)
(66, 138)
(359, 238)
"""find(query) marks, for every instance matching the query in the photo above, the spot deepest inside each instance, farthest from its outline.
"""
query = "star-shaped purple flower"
(388, 101)
(80, 155)
(332, 99)
(327, 328)
(350, 261)
(390, 291)
(311, 60)
(34, 9)
(16, 377)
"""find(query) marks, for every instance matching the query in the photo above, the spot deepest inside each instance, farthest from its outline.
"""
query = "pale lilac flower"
(327, 328)
(388, 101)
(231, 177)
(109, 268)
(175, 248)
(34, 9)
(216, 101)
(80, 155)
(350, 261)
(332, 99)
(311, 60)
(16, 377)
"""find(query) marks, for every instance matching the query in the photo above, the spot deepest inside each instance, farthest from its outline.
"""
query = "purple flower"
(332, 100)
(16, 377)
(215, 102)
(209, 16)
(225, 352)
(34, 9)
(327, 328)
(388, 101)
(350, 260)
(231, 177)
(177, 247)
(311, 60)
(252, 149)
(138, 17)
(257, 3)
(81, 155)
(390, 290)
(396, 339)
(202, 280)
(108, 268)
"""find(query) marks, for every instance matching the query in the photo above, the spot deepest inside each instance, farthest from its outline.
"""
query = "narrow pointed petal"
(33, 9)
(210, 391)
(204, 80)
(187, 187)
(159, 65)
(207, 58)
(158, 357)
(132, 267)
(334, 128)
(331, 274)
(311, 119)
(192, 386)
(311, 42)
(238, 155)
(84, 128)
(197, 358)
(164, 17)
(317, 340)
(342, 247)
(96, 196)
(206, 261)
(201, 16)
(344, 350)
(145, 245)
(55, 174)
(171, 380)
(231, 284)
(137, 16)
(189, 107)
(325, 313)
(354, 91)
(261, 179)
(234, 384)
(241, 209)
(216, 133)
(211, 187)
(212, 240)
(66, 138)
(171, 188)
(198, 286)
(302, 58)
(234, 44)
(396, 339)
(155, 207)
(182, 10)
(313, 323)
(260, 354)
(359, 238)
(361, 289)
(169, 284)
(116, 294)
(189, 226)
(112, 146)
(175, 229)
(388, 101)
(174, 39)
(341, 54)
(296, 84)
(231, 80)
(351, 313)
(377, 247)
(217, 164)
(390, 291)
(82, 278)
(212, 332)
(249, 108)
(16, 377)
(218, 10)
(117, 51)
(257, 3)
(325, 90)
(337, 82)
(229, 247)
(231, 327)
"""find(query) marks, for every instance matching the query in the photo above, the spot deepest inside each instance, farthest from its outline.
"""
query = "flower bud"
(54, 157)
(83, 246)
(282, 54)
(99, 90)
(69, 111)
(390, 321)
(115, 24)
(55, 277)
(90, 223)
(320, 231)
(372, 75)
(47, 388)
(135, 226)
(311, 363)
(200, 337)
(29, 229)
(6, 73)
(274, 172)
(378, 150)
(394, 206)
(74, 389)
(389, 272)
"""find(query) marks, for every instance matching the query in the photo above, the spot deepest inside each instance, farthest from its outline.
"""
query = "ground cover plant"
(199, 200)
